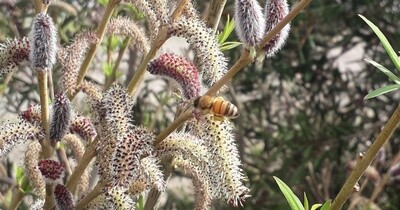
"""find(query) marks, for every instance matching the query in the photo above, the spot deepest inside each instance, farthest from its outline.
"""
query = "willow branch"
(363, 163)
(179, 9)
(160, 40)
(89, 154)
(44, 109)
(214, 13)
(18, 194)
(139, 75)
(121, 53)
(384, 180)
(97, 190)
(174, 125)
(100, 34)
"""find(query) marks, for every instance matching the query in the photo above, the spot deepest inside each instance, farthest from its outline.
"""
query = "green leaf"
(306, 207)
(381, 91)
(315, 206)
(326, 205)
(19, 174)
(102, 2)
(389, 50)
(386, 71)
(229, 45)
(291, 198)
(229, 26)
(107, 69)
(140, 203)
(114, 41)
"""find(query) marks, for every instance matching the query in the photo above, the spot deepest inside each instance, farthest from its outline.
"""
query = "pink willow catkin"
(211, 61)
(180, 70)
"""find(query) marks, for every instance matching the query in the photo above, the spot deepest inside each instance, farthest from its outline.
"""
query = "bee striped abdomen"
(218, 106)
(232, 111)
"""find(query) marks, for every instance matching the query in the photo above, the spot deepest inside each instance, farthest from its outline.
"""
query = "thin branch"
(139, 75)
(87, 157)
(246, 58)
(18, 194)
(179, 9)
(100, 34)
(363, 163)
(97, 190)
(121, 53)
(62, 156)
(44, 109)
(384, 180)
(215, 13)
(174, 125)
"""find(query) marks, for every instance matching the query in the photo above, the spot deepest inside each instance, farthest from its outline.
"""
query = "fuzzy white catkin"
(43, 42)
(275, 11)
(250, 21)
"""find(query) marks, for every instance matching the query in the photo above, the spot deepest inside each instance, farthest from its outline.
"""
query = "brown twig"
(139, 75)
(121, 54)
(363, 163)
(384, 180)
(18, 194)
(100, 34)
(44, 109)
(214, 13)
(178, 10)
(87, 157)
(97, 190)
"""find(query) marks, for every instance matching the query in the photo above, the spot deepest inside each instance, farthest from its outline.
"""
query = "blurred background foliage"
(303, 117)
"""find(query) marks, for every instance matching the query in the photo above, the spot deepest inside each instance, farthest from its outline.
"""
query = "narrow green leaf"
(291, 198)
(381, 91)
(140, 203)
(19, 174)
(326, 205)
(386, 71)
(315, 206)
(107, 69)
(229, 45)
(389, 50)
(306, 206)
(114, 41)
(228, 28)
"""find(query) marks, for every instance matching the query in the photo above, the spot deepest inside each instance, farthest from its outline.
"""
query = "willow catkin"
(275, 11)
(63, 198)
(180, 70)
(60, 118)
(250, 21)
(43, 43)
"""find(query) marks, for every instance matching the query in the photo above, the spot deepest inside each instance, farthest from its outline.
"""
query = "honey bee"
(217, 106)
